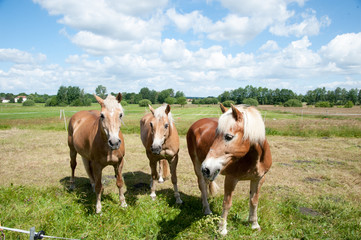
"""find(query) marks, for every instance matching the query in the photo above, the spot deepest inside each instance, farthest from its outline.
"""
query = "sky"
(201, 48)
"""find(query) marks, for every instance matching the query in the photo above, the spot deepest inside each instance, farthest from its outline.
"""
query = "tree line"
(74, 96)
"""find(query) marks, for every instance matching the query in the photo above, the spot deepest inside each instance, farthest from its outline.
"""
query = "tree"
(182, 101)
(179, 94)
(164, 94)
(101, 91)
(145, 93)
(62, 95)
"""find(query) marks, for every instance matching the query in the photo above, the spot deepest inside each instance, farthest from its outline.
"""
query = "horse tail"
(213, 188)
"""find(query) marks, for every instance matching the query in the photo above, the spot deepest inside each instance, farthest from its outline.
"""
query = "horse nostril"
(206, 171)
(110, 143)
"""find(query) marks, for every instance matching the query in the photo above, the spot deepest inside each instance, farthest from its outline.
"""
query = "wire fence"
(33, 235)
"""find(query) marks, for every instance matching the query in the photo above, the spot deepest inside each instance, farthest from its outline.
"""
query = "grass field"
(311, 192)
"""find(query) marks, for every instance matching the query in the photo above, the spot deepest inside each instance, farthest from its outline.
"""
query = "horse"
(96, 136)
(234, 145)
(161, 141)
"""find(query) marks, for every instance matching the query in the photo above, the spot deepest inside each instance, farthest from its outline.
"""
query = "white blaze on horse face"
(160, 133)
(111, 124)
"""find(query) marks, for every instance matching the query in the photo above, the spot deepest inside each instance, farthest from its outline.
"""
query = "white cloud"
(308, 27)
(116, 19)
(344, 51)
(20, 57)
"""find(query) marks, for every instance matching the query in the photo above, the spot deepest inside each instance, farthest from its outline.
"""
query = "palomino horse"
(96, 136)
(160, 139)
(234, 145)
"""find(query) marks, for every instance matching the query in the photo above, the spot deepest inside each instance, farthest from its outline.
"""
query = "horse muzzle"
(114, 143)
(156, 149)
(210, 173)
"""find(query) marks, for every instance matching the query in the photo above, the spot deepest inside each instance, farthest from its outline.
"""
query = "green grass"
(282, 214)
(48, 118)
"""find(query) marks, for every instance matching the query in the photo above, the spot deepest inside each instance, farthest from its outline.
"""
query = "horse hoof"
(153, 196)
(207, 212)
(178, 201)
(255, 226)
(224, 232)
(124, 205)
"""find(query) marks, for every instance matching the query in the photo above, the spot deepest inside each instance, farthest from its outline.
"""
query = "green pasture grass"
(63, 213)
(48, 118)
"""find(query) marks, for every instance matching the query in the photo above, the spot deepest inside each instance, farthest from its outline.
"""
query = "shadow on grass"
(190, 210)
(138, 184)
(84, 192)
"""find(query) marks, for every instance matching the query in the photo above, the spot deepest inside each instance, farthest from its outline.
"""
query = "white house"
(18, 97)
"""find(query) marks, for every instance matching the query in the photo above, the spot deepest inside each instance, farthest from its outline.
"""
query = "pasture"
(311, 192)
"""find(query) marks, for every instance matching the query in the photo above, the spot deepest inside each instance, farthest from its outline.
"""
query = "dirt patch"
(308, 211)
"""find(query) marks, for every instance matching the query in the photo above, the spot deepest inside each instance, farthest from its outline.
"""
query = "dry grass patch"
(309, 166)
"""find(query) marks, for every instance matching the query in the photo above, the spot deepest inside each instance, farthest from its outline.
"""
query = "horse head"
(160, 126)
(110, 118)
(238, 128)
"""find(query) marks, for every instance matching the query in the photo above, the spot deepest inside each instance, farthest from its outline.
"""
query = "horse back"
(200, 137)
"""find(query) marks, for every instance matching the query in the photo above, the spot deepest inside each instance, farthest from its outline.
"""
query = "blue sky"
(202, 48)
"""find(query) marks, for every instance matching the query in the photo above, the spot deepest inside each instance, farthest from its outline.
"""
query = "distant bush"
(293, 103)
(326, 104)
(349, 104)
(144, 103)
(250, 101)
(228, 103)
(124, 103)
(28, 103)
(51, 102)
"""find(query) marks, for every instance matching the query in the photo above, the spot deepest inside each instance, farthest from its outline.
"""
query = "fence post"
(32, 233)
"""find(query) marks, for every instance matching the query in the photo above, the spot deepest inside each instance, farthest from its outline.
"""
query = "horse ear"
(167, 109)
(151, 109)
(236, 113)
(99, 100)
(119, 97)
(223, 108)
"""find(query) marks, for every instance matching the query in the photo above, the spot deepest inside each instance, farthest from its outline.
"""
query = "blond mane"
(254, 128)
(160, 113)
(111, 103)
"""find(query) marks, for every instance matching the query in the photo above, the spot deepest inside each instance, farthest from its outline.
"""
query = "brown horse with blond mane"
(234, 145)
(161, 141)
(96, 136)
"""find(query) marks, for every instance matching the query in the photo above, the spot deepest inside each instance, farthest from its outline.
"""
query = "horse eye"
(228, 137)
(166, 125)
(121, 115)
(151, 125)
(102, 116)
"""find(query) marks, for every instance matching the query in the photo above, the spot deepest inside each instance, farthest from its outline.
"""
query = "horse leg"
(253, 202)
(229, 186)
(153, 180)
(160, 172)
(73, 164)
(202, 186)
(120, 182)
(88, 169)
(97, 173)
(173, 169)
